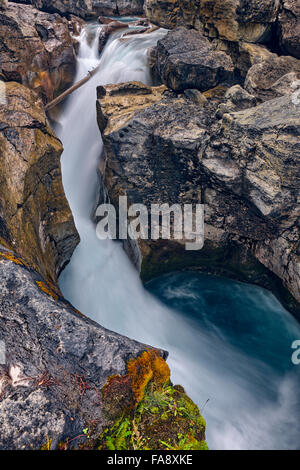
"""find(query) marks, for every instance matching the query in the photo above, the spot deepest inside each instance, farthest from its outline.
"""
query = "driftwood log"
(70, 90)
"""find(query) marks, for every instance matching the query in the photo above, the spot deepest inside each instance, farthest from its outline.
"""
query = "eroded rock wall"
(35, 218)
(37, 50)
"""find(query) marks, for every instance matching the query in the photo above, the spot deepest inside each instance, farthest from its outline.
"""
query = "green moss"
(166, 418)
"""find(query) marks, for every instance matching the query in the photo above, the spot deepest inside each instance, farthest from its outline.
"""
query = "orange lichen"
(161, 370)
(149, 366)
(122, 393)
(12, 257)
(42, 80)
(43, 286)
(78, 312)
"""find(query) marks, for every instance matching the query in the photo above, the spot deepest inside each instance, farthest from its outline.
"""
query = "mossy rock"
(161, 416)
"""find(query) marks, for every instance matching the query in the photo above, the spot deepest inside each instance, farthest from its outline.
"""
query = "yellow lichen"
(47, 445)
(45, 288)
(12, 257)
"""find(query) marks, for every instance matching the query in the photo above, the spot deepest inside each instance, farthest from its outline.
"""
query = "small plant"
(46, 380)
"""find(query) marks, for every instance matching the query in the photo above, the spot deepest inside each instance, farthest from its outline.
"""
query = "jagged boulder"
(36, 49)
(186, 59)
(243, 54)
(35, 218)
(172, 13)
(236, 99)
(273, 77)
(82, 8)
(289, 27)
(118, 7)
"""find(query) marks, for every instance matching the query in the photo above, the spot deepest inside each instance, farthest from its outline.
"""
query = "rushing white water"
(250, 405)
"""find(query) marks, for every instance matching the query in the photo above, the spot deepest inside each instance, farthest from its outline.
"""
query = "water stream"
(228, 342)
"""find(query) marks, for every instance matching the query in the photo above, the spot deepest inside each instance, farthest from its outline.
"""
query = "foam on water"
(252, 404)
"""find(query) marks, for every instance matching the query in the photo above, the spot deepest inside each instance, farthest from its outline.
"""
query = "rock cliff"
(35, 219)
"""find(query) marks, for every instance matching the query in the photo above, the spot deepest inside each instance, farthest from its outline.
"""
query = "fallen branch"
(70, 90)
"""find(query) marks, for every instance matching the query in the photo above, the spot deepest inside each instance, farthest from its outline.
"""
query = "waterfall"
(251, 406)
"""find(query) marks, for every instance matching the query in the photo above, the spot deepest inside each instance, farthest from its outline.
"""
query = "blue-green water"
(240, 341)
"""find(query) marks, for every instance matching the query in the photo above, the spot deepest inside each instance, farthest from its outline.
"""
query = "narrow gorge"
(188, 103)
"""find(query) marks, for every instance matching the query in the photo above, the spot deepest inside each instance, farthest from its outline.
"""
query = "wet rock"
(134, 32)
(35, 218)
(36, 50)
(273, 77)
(244, 168)
(186, 59)
(107, 30)
(90, 8)
(75, 25)
(289, 27)
(56, 362)
(118, 7)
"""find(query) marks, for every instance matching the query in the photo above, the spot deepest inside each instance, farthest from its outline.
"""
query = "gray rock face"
(186, 59)
(118, 7)
(259, 161)
(243, 167)
(54, 363)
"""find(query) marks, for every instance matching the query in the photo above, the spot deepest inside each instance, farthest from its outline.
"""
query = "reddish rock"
(37, 50)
